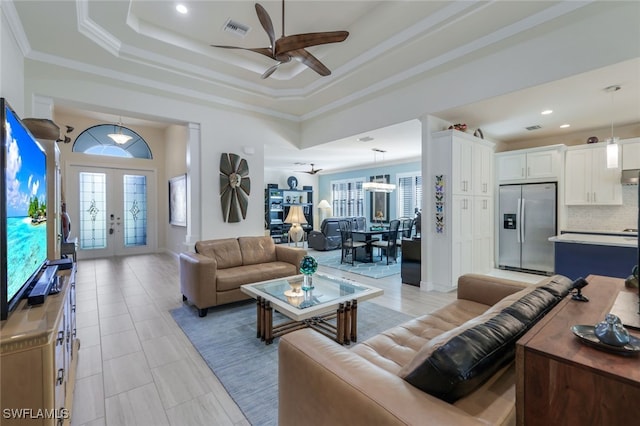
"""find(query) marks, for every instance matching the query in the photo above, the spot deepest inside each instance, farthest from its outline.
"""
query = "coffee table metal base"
(344, 331)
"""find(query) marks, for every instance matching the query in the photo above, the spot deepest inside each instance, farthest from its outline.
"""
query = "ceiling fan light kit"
(290, 47)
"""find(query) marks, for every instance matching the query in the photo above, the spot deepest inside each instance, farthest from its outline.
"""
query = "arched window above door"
(95, 141)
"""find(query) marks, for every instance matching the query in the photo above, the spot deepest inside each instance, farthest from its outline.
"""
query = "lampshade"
(119, 137)
(324, 204)
(378, 187)
(296, 215)
(612, 153)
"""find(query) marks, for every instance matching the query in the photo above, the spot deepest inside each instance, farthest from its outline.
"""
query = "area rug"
(247, 368)
(378, 269)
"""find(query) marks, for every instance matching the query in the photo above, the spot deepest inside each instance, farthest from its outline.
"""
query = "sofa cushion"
(226, 252)
(256, 250)
(397, 346)
(455, 363)
(232, 278)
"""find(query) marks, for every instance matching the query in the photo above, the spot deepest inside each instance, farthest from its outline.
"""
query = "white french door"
(113, 211)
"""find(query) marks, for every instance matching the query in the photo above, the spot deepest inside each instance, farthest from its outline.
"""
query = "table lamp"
(323, 206)
(295, 218)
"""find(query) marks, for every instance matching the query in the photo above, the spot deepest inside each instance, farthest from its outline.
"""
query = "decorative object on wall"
(379, 200)
(235, 187)
(178, 200)
(439, 204)
(292, 181)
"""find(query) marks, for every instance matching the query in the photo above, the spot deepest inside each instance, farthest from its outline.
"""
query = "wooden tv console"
(562, 381)
(38, 359)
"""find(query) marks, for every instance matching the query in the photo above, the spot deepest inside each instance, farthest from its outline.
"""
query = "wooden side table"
(562, 381)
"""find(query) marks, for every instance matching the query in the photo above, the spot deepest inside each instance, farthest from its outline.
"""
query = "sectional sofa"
(454, 366)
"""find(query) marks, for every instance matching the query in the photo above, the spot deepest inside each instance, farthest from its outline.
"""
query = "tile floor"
(136, 367)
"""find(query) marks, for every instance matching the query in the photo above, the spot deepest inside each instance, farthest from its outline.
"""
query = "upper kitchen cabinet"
(530, 165)
(472, 165)
(588, 181)
(631, 154)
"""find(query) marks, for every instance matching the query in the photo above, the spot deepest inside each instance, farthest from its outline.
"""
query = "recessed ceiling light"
(181, 8)
(564, 126)
(546, 112)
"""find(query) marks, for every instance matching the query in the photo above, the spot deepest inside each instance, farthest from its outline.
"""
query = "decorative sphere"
(308, 265)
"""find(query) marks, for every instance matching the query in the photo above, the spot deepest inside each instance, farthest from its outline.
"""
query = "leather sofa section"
(452, 366)
(226, 252)
(257, 250)
(214, 274)
(365, 384)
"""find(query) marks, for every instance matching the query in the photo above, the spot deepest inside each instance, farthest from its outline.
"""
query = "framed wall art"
(178, 200)
(379, 202)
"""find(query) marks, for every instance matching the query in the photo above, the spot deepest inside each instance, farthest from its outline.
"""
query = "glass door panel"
(112, 209)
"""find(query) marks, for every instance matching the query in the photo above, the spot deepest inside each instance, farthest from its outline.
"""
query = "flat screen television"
(23, 209)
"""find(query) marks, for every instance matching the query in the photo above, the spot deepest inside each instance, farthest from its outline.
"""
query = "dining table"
(368, 237)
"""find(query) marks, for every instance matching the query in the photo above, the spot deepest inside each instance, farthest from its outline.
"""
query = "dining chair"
(348, 245)
(391, 244)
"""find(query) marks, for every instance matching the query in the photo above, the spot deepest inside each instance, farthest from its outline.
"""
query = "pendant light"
(612, 143)
(119, 137)
(378, 186)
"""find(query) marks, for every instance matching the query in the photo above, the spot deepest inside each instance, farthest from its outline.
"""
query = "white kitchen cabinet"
(472, 167)
(465, 243)
(482, 255)
(631, 154)
(588, 181)
(534, 165)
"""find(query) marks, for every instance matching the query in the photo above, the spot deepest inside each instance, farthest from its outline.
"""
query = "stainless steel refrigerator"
(527, 220)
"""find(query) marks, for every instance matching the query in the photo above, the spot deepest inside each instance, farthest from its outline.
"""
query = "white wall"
(11, 68)
(175, 165)
(222, 131)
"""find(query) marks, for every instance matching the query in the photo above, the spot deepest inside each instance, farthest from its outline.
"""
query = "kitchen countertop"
(599, 232)
(622, 240)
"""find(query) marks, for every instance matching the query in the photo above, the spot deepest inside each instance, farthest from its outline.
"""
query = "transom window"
(95, 141)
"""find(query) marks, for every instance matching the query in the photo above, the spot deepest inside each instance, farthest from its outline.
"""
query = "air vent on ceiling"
(536, 127)
(378, 150)
(365, 139)
(236, 28)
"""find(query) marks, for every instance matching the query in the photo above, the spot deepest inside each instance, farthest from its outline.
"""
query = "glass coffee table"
(331, 298)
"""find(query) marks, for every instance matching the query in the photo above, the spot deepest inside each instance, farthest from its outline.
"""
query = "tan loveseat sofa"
(323, 383)
(214, 273)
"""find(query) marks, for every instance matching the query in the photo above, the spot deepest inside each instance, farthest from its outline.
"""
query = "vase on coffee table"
(308, 267)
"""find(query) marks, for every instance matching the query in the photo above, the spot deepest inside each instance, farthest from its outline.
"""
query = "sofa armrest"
(292, 255)
(324, 383)
(486, 289)
(198, 279)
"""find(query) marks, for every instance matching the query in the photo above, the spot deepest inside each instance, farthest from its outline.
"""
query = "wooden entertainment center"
(562, 381)
(38, 359)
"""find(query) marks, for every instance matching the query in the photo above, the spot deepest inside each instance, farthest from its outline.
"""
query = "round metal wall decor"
(235, 187)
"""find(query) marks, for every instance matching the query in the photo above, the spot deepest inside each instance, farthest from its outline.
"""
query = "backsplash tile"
(606, 218)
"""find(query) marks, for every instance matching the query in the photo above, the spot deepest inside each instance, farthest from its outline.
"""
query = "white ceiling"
(390, 42)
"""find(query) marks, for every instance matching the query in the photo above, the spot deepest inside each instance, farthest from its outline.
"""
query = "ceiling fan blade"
(265, 20)
(270, 70)
(311, 61)
(300, 41)
(261, 50)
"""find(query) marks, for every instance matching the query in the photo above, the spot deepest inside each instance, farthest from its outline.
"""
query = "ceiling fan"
(313, 171)
(291, 47)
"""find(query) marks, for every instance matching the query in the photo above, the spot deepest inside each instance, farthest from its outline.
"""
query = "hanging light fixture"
(378, 186)
(119, 137)
(612, 143)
